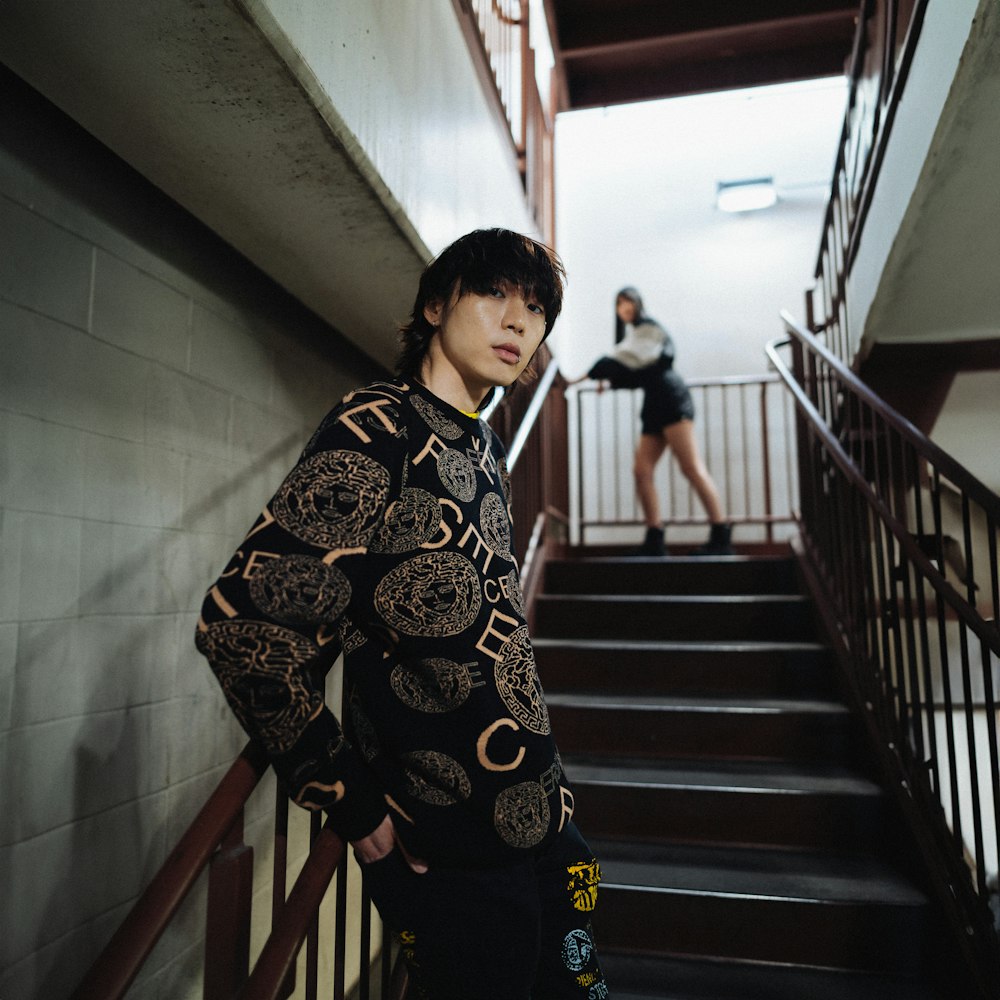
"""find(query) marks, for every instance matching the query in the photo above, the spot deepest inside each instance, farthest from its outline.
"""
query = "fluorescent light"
(745, 196)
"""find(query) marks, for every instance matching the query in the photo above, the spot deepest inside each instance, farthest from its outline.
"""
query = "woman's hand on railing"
(600, 384)
(380, 842)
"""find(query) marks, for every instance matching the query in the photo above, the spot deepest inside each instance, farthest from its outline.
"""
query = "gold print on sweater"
(376, 415)
(483, 460)
(435, 419)
(434, 685)
(517, 683)
(300, 589)
(436, 778)
(332, 499)
(364, 732)
(433, 594)
(495, 524)
(258, 667)
(458, 474)
(498, 630)
(409, 522)
(483, 747)
(521, 814)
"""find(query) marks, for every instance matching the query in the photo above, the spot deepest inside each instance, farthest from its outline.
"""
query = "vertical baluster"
(227, 921)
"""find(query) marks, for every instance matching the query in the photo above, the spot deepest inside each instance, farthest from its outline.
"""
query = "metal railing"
(215, 842)
(745, 434)
(498, 33)
(904, 541)
(887, 35)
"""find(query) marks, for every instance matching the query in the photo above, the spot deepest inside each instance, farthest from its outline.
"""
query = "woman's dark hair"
(475, 263)
(633, 296)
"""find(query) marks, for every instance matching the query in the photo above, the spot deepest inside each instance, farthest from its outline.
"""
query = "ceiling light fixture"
(745, 196)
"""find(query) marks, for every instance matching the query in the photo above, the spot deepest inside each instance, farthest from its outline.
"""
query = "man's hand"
(380, 842)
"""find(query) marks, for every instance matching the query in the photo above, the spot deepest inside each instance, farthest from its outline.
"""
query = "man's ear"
(433, 311)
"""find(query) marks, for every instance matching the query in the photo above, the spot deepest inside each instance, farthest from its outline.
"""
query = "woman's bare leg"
(680, 437)
(649, 451)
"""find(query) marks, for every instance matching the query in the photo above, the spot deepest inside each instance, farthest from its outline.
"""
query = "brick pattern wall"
(154, 388)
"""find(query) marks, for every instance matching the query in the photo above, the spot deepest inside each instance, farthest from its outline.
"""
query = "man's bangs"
(529, 283)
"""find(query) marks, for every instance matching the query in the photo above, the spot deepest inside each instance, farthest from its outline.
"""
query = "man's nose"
(516, 314)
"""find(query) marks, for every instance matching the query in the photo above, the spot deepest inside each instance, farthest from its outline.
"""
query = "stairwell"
(723, 782)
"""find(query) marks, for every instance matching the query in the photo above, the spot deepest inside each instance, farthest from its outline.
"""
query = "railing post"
(227, 921)
(765, 437)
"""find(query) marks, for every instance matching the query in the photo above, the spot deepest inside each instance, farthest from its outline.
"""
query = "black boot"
(718, 542)
(652, 544)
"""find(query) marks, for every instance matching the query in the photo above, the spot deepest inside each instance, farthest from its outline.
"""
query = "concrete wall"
(154, 388)
(427, 128)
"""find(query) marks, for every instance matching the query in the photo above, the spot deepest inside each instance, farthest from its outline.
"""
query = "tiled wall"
(154, 388)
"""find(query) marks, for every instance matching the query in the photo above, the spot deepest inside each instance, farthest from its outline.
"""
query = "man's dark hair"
(475, 263)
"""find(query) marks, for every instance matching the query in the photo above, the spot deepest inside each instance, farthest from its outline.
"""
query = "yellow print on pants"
(584, 879)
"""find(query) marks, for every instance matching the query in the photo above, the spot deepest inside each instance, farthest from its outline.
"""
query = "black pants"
(510, 933)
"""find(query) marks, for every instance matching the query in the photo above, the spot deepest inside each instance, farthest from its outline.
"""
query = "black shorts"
(666, 401)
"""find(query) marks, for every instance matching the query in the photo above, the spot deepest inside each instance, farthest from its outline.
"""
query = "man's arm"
(270, 624)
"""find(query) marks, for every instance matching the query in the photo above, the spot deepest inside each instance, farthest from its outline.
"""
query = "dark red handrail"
(913, 612)
(118, 965)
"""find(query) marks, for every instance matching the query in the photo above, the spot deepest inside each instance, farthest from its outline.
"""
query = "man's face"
(485, 340)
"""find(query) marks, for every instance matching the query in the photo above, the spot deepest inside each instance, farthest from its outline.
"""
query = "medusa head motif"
(504, 479)
(408, 522)
(436, 778)
(514, 592)
(521, 814)
(441, 425)
(300, 589)
(433, 594)
(458, 474)
(432, 685)
(332, 499)
(363, 731)
(260, 669)
(517, 682)
(495, 524)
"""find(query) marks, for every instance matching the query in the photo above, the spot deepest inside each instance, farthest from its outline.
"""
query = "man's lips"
(510, 353)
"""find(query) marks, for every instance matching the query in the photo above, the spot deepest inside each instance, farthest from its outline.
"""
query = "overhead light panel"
(746, 195)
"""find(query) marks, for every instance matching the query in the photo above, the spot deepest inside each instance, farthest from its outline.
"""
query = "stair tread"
(656, 702)
(709, 598)
(739, 775)
(761, 873)
(679, 645)
(644, 977)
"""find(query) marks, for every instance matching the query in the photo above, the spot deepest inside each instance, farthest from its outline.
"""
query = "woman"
(643, 359)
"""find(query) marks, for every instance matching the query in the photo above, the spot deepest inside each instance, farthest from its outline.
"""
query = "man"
(390, 540)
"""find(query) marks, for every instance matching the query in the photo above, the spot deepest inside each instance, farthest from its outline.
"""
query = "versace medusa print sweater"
(390, 540)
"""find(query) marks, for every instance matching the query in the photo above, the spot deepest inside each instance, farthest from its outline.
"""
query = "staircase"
(722, 782)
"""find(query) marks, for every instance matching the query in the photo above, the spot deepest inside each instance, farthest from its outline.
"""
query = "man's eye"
(497, 293)
(535, 307)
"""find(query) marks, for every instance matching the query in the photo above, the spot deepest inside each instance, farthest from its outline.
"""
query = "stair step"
(678, 727)
(762, 617)
(672, 575)
(820, 910)
(765, 804)
(647, 977)
(651, 667)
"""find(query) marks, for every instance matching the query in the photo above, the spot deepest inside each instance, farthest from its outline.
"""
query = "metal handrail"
(882, 54)
(914, 612)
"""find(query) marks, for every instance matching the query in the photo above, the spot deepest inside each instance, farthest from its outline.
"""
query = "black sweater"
(390, 540)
